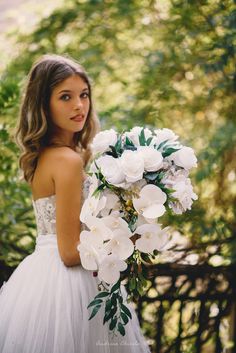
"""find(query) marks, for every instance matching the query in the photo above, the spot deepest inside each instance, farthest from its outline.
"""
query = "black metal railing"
(190, 309)
(187, 309)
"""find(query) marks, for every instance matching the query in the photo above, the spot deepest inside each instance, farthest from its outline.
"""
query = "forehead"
(71, 83)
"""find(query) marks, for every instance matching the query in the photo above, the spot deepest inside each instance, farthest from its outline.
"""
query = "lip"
(79, 117)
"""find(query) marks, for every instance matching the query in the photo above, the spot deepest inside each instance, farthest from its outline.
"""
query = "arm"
(68, 176)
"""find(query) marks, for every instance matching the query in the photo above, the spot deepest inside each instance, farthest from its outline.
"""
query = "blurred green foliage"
(156, 63)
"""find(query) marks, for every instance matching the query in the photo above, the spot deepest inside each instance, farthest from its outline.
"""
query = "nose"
(78, 104)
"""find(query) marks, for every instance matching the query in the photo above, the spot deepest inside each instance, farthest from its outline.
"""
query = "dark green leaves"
(113, 324)
(168, 151)
(102, 295)
(121, 329)
(95, 310)
(142, 139)
(95, 302)
(126, 310)
(115, 286)
(117, 314)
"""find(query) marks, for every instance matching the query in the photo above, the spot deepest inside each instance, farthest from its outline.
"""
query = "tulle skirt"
(43, 309)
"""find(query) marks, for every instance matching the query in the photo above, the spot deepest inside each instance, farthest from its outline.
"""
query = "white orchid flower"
(152, 238)
(112, 203)
(119, 223)
(98, 228)
(120, 245)
(91, 246)
(91, 238)
(92, 206)
(150, 204)
(93, 184)
(88, 257)
(110, 268)
(142, 220)
(112, 200)
(91, 250)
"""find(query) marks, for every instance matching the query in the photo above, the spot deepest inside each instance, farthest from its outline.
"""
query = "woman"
(44, 303)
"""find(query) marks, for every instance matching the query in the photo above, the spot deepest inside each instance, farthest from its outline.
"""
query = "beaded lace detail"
(45, 211)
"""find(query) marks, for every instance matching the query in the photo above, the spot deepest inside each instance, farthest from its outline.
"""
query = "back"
(60, 172)
(43, 183)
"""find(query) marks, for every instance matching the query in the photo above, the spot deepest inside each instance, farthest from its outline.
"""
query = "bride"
(44, 303)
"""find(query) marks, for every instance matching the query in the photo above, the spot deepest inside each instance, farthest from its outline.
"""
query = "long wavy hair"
(35, 128)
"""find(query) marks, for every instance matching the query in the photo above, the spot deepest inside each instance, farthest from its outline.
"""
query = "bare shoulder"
(61, 158)
(58, 154)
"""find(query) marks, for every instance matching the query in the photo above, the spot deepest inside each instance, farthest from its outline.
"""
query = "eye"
(65, 97)
(86, 94)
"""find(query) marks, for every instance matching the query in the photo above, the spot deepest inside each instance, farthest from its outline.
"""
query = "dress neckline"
(41, 198)
(53, 195)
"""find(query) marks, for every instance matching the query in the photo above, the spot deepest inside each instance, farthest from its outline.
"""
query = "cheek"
(55, 110)
(87, 104)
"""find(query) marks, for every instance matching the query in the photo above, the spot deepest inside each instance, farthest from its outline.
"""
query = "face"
(69, 105)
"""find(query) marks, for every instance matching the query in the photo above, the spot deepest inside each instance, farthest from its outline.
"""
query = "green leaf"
(95, 310)
(113, 299)
(151, 176)
(121, 329)
(109, 315)
(132, 283)
(124, 318)
(120, 299)
(169, 151)
(113, 323)
(114, 152)
(94, 302)
(142, 139)
(142, 279)
(126, 310)
(140, 288)
(128, 142)
(102, 295)
(149, 140)
(115, 286)
(146, 258)
(118, 145)
(162, 144)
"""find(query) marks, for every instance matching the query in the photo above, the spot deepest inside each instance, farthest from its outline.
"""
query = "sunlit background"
(154, 63)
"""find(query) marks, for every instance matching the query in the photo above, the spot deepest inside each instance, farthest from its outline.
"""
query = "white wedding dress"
(43, 305)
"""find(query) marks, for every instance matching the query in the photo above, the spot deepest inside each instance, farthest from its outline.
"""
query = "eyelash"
(67, 95)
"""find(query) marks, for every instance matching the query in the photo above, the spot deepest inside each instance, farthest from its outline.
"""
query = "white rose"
(111, 169)
(102, 141)
(132, 165)
(153, 159)
(162, 135)
(134, 133)
(184, 158)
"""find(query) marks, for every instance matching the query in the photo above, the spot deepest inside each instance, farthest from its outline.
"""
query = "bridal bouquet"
(136, 176)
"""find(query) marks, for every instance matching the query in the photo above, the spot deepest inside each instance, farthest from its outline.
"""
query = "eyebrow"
(68, 90)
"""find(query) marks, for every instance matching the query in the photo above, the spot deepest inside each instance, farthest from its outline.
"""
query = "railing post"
(232, 323)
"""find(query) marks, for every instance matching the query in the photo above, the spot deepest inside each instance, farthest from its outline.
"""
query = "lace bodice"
(45, 211)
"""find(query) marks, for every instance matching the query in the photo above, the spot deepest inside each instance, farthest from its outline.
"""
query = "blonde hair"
(35, 126)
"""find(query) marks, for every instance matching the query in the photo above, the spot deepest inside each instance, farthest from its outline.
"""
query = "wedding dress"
(43, 305)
